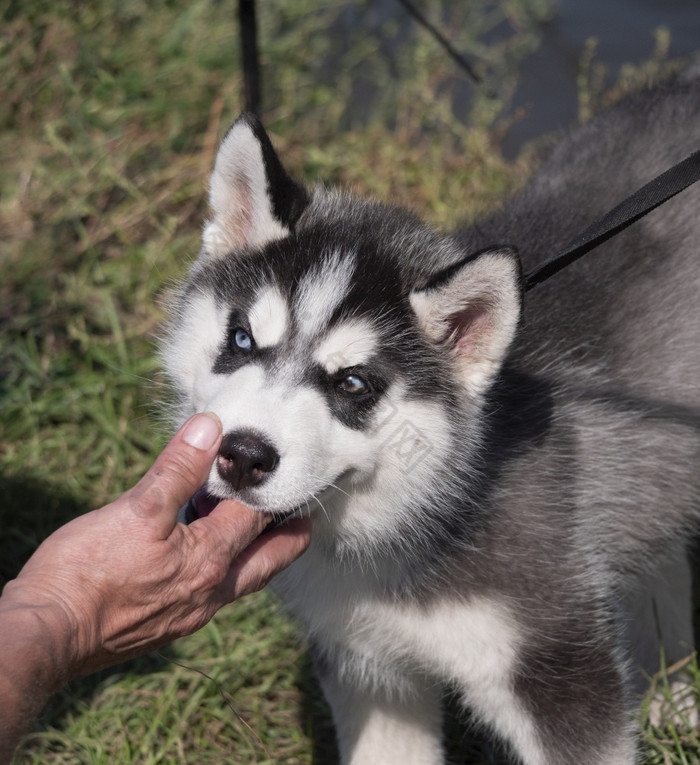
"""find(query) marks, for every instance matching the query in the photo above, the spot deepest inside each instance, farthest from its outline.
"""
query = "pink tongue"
(204, 503)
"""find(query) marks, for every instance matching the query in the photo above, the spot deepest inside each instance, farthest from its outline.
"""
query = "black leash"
(441, 39)
(643, 201)
(247, 20)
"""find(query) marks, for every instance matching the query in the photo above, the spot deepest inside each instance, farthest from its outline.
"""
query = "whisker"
(321, 505)
(330, 486)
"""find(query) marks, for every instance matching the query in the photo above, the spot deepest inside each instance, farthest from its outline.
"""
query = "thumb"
(180, 469)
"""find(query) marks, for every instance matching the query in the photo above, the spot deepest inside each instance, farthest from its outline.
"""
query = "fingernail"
(202, 431)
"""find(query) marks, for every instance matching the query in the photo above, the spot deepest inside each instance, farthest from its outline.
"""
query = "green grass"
(676, 738)
(109, 122)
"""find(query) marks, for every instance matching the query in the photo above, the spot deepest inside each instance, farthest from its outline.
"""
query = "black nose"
(245, 459)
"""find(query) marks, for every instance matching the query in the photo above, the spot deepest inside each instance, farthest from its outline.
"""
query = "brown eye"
(353, 385)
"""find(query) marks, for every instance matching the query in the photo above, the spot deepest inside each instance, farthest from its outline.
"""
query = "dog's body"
(488, 487)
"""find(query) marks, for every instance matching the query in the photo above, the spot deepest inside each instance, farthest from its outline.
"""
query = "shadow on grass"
(316, 718)
(30, 510)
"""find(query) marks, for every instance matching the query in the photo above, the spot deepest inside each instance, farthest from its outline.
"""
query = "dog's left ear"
(252, 198)
(472, 309)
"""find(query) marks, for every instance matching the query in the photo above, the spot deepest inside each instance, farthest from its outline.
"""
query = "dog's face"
(334, 338)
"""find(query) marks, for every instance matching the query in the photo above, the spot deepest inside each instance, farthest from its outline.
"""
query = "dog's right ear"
(252, 198)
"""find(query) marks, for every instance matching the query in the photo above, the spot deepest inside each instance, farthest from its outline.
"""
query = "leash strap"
(650, 196)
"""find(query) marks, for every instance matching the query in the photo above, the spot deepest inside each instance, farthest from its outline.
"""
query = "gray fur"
(557, 478)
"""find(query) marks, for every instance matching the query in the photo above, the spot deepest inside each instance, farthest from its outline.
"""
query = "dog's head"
(341, 342)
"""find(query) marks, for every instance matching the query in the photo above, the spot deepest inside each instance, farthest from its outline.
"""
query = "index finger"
(265, 557)
(230, 527)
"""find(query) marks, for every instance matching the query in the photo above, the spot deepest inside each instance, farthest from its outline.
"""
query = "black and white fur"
(495, 486)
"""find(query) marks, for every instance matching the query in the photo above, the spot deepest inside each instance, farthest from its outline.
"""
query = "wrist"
(32, 667)
(36, 645)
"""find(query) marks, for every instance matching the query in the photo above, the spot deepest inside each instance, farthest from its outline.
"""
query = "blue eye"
(354, 385)
(242, 340)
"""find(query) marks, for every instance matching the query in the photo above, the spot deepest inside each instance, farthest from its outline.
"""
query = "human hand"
(127, 578)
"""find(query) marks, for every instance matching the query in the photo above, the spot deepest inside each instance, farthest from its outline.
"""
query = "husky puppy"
(491, 478)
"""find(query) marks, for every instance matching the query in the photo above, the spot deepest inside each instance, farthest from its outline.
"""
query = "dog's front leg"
(377, 728)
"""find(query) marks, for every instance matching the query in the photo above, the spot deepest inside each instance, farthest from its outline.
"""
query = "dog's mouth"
(199, 505)
(202, 503)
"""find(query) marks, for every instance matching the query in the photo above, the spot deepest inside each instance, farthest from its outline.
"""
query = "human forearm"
(32, 667)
